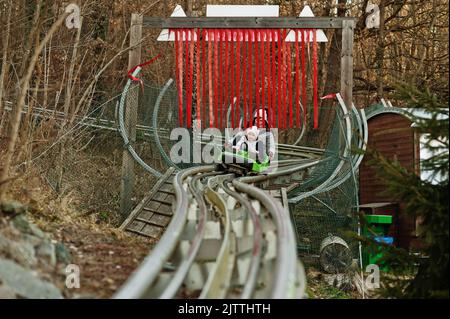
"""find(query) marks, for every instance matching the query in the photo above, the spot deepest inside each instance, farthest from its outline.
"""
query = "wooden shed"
(391, 134)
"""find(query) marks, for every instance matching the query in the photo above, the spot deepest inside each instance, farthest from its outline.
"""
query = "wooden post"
(134, 58)
(347, 62)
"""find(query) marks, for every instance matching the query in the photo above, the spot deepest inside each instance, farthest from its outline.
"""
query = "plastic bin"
(379, 226)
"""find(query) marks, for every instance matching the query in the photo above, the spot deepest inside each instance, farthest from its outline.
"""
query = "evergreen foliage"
(426, 200)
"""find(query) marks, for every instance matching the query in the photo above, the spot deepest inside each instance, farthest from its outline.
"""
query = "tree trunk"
(332, 81)
(188, 7)
(5, 64)
(28, 44)
(380, 51)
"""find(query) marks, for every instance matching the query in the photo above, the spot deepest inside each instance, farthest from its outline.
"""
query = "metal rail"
(183, 269)
(356, 160)
(345, 154)
(138, 285)
(286, 262)
(166, 284)
(152, 279)
(219, 278)
(155, 124)
(254, 267)
(123, 133)
(89, 121)
(204, 199)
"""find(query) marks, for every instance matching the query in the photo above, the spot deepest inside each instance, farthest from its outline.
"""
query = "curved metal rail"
(155, 124)
(174, 285)
(208, 202)
(345, 154)
(254, 267)
(285, 282)
(356, 160)
(123, 133)
(173, 264)
(219, 277)
(138, 285)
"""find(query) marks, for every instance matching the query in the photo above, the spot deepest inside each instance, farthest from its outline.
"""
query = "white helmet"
(261, 113)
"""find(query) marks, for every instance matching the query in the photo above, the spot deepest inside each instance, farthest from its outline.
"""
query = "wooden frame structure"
(246, 22)
(347, 25)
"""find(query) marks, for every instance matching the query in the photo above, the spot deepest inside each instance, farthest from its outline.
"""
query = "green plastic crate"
(379, 219)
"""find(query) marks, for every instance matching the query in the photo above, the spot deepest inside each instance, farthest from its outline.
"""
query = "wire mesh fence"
(331, 207)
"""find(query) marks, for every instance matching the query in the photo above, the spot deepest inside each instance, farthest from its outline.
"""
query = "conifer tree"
(426, 200)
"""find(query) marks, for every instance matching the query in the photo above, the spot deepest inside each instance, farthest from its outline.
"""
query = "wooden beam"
(134, 58)
(246, 22)
(347, 63)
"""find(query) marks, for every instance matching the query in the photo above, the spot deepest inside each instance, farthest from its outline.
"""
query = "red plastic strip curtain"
(210, 92)
(257, 85)
(285, 80)
(187, 71)
(197, 72)
(244, 76)
(279, 79)
(232, 78)
(220, 39)
(191, 74)
(226, 76)
(304, 76)
(316, 105)
(250, 75)
(297, 80)
(289, 82)
(204, 77)
(222, 76)
(187, 60)
(216, 76)
(269, 76)
(175, 44)
(274, 82)
(185, 53)
(263, 78)
(307, 39)
(179, 69)
(284, 74)
(238, 74)
(269, 82)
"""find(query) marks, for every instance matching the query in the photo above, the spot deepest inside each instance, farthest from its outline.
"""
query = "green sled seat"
(240, 162)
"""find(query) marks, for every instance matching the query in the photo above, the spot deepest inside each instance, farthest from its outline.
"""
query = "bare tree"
(5, 64)
(15, 121)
